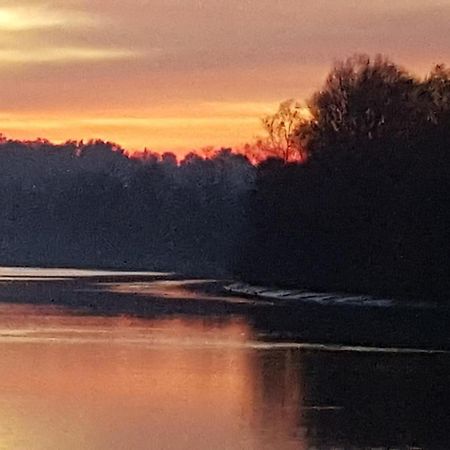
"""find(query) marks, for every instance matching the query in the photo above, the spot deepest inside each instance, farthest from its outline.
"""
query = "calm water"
(72, 381)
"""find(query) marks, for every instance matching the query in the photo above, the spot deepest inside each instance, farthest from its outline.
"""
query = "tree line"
(352, 194)
(91, 204)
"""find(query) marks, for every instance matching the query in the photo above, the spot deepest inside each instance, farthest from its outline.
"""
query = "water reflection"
(71, 382)
(76, 385)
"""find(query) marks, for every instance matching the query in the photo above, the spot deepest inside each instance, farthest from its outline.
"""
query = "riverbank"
(275, 316)
(326, 298)
(349, 320)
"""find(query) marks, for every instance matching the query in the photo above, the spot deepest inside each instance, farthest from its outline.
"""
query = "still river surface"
(71, 380)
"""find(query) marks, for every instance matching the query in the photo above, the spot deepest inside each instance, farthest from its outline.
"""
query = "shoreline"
(275, 315)
(326, 298)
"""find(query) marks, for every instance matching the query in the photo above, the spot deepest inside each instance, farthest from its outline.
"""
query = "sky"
(184, 74)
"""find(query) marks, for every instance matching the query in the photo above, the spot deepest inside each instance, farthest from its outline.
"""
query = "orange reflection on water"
(105, 383)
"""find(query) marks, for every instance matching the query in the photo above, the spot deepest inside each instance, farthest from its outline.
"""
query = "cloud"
(63, 55)
(38, 32)
(20, 18)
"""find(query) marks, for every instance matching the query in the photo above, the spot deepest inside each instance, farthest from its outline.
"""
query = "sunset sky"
(181, 74)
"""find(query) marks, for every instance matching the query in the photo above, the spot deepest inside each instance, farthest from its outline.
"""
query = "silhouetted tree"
(362, 100)
(281, 128)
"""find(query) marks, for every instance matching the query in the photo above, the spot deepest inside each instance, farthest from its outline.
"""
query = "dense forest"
(92, 205)
(354, 195)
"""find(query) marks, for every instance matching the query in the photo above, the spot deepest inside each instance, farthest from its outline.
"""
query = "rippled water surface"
(71, 380)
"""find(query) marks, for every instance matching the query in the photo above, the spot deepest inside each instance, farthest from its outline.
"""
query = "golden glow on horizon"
(211, 123)
(180, 135)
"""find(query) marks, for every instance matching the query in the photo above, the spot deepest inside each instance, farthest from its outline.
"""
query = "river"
(80, 378)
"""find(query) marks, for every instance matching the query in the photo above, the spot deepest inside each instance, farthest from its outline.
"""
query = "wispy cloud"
(63, 54)
(19, 18)
(48, 32)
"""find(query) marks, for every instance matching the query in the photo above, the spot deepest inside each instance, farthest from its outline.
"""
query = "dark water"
(71, 381)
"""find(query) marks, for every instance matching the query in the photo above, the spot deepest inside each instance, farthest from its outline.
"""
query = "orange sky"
(182, 74)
